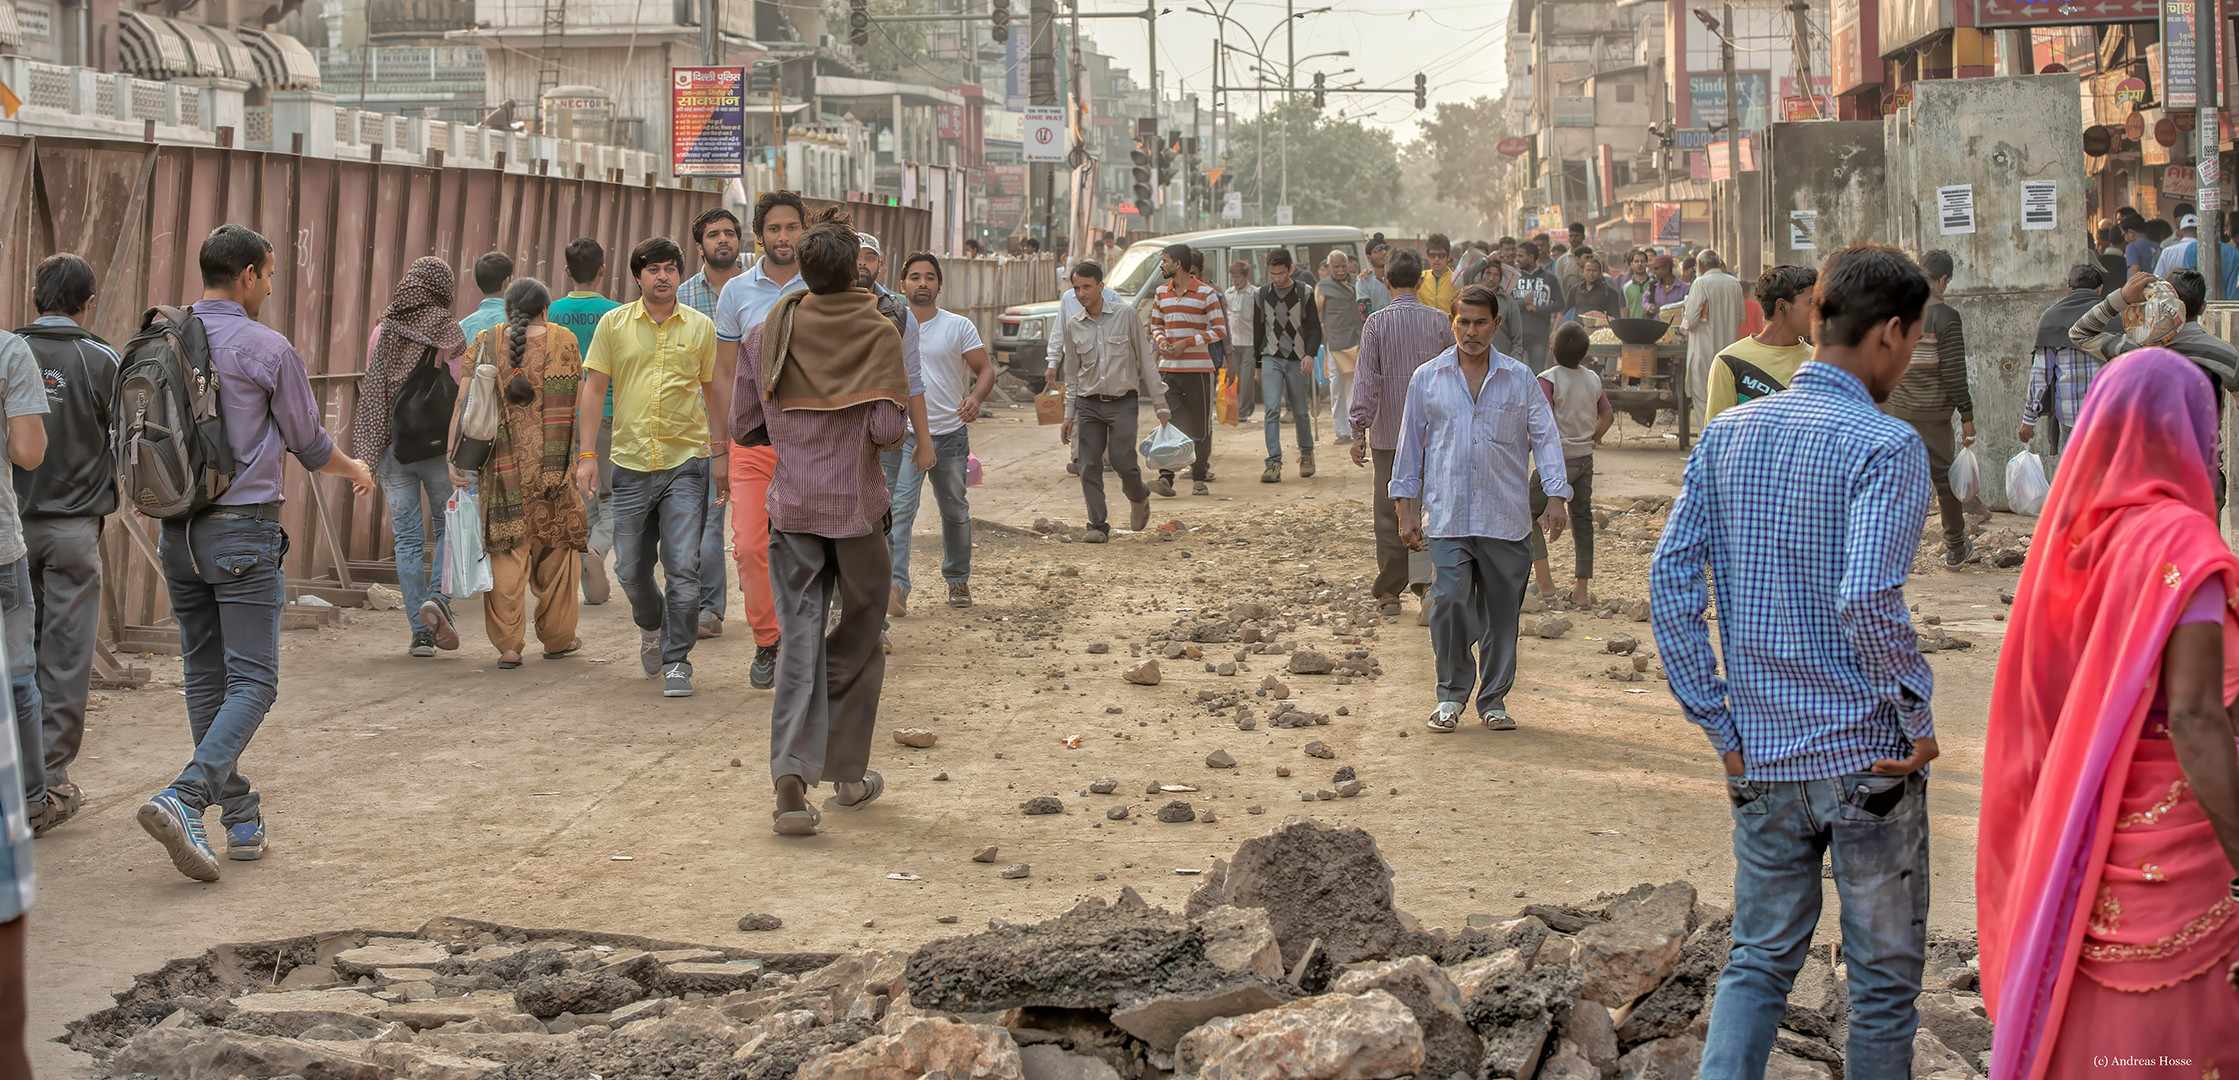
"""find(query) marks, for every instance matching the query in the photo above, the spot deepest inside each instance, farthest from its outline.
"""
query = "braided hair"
(525, 302)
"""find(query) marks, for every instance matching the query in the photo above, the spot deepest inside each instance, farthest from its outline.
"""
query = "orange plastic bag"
(1049, 405)
(1224, 408)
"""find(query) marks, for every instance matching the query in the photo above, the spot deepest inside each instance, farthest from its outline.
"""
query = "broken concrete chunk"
(1103, 787)
(916, 737)
(1118, 813)
(216, 1054)
(1320, 749)
(1177, 812)
(547, 996)
(363, 961)
(1553, 626)
(1219, 759)
(1314, 882)
(1665, 1059)
(1143, 674)
(759, 922)
(1449, 1045)
(1241, 940)
(1042, 804)
(923, 1046)
(1332, 1036)
(1017, 870)
(1638, 948)
(985, 854)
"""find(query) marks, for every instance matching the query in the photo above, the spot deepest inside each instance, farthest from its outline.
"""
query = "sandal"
(795, 822)
(63, 802)
(508, 665)
(574, 647)
(1199, 488)
(1444, 722)
(1498, 720)
(874, 786)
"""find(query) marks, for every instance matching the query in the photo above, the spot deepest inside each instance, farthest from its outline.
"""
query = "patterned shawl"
(534, 496)
(418, 318)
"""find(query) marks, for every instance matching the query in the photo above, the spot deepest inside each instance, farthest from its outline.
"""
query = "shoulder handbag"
(480, 409)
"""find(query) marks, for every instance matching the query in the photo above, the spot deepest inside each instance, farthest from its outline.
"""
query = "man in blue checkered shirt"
(1806, 508)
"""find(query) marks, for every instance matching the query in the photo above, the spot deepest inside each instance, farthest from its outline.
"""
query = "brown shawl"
(826, 352)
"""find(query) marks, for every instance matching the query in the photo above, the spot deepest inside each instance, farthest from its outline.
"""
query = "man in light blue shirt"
(1474, 427)
(492, 273)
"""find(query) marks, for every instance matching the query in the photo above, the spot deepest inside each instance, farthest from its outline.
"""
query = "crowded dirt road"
(570, 793)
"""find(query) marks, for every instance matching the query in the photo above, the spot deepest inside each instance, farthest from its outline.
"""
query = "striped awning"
(154, 47)
(282, 62)
(11, 33)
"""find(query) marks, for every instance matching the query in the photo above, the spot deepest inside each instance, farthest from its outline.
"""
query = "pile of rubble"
(1291, 960)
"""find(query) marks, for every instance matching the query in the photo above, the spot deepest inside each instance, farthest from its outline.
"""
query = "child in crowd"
(1582, 416)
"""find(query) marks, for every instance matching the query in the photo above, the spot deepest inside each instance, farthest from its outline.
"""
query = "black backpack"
(420, 425)
(173, 459)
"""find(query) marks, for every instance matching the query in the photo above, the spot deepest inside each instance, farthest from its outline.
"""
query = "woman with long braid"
(533, 525)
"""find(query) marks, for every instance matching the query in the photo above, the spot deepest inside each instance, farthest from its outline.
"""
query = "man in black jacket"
(1289, 332)
(63, 504)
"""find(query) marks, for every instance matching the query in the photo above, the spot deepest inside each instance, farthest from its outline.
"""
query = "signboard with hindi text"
(1044, 133)
(707, 122)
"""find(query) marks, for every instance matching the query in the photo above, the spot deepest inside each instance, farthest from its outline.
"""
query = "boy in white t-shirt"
(958, 379)
(1582, 416)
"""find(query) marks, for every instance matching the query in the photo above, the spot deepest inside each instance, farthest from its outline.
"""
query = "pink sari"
(2093, 858)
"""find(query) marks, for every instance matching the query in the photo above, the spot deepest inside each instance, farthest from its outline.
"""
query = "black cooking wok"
(1639, 331)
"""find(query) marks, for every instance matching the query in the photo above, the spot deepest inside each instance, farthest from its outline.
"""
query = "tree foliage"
(1462, 139)
(1341, 173)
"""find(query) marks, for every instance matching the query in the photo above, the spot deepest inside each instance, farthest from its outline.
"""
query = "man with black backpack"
(222, 542)
(63, 503)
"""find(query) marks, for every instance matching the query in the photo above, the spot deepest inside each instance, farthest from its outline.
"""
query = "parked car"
(1023, 332)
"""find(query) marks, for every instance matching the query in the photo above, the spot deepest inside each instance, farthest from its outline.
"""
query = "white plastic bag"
(466, 567)
(1166, 447)
(1966, 474)
(2026, 486)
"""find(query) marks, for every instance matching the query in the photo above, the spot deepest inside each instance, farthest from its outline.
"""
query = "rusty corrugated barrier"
(342, 232)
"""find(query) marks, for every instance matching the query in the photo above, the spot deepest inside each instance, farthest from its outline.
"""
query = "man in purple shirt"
(1401, 336)
(223, 565)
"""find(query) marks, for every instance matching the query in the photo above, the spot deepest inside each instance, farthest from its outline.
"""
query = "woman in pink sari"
(2108, 910)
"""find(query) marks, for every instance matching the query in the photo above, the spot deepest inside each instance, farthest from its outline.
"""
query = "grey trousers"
(1105, 432)
(828, 686)
(1477, 600)
(65, 556)
(1396, 567)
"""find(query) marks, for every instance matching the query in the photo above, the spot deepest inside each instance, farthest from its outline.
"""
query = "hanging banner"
(707, 121)
(1665, 215)
(2180, 54)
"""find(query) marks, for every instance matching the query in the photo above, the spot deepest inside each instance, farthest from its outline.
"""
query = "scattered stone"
(916, 737)
(985, 855)
(1344, 773)
(940, 776)
(1350, 788)
(1449, 1045)
(1622, 644)
(1593, 1031)
(1309, 662)
(1275, 687)
(1324, 794)
(1118, 813)
(1177, 812)
(1951, 962)
(1225, 667)
(1099, 648)
(1819, 1002)
(1103, 787)
(1016, 871)
(1674, 1007)
(756, 923)
(923, 1046)
(1320, 749)
(1665, 1059)
(1143, 674)
(547, 996)
(946, 920)
(1042, 804)
(1255, 809)
(1245, 721)
(1553, 626)
(1931, 1060)
(1331, 1037)
(1637, 610)
(1049, 1061)
(1958, 1021)
(1207, 817)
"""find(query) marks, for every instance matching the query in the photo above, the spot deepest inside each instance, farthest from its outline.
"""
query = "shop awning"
(154, 47)
(11, 34)
(282, 62)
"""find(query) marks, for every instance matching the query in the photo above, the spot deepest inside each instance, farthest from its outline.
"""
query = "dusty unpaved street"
(399, 790)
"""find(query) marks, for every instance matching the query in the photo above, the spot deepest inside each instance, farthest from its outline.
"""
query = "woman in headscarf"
(2108, 910)
(416, 328)
(533, 524)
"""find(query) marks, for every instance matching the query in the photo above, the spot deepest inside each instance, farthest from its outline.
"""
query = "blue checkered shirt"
(18, 885)
(1805, 507)
(698, 295)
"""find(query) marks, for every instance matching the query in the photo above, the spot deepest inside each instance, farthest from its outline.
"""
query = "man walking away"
(1105, 361)
(1537, 300)
(2138, 249)
(1934, 387)
(63, 502)
(1186, 316)
(222, 565)
(579, 313)
(715, 236)
(1475, 424)
(1805, 508)
(1373, 291)
(402, 425)
(779, 219)
(492, 273)
(1439, 286)
(659, 356)
(1582, 416)
(23, 442)
(828, 418)
(1764, 362)
(2183, 251)
(1399, 338)
(1340, 313)
(1712, 320)
(958, 379)
(2060, 373)
(1288, 331)
(1240, 300)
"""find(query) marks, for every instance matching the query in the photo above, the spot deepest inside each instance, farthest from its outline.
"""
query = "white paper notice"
(1802, 226)
(2038, 205)
(1955, 209)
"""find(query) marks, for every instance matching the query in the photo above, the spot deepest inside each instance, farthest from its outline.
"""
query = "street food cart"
(1643, 366)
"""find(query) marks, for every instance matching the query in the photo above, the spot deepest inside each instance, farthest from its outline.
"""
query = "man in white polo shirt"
(958, 379)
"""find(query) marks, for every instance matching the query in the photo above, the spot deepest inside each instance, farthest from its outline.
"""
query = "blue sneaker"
(245, 842)
(179, 830)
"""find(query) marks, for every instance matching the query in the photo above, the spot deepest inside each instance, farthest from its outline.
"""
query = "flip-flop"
(1444, 723)
(874, 786)
(795, 822)
(574, 647)
(507, 665)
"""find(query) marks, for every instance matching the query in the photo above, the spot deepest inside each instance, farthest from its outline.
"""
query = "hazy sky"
(1460, 45)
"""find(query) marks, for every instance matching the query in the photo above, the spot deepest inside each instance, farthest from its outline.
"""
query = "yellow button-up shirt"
(659, 373)
(1438, 291)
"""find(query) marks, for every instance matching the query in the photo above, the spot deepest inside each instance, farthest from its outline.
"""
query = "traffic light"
(1002, 17)
(1142, 161)
(858, 22)
(1167, 151)
(1422, 91)
(1320, 97)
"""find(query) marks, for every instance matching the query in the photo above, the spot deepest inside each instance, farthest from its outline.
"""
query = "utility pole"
(1290, 86)
(1041, 89)
(1733, 137)
(2209, 197)
(1799, 37)
(708, 12)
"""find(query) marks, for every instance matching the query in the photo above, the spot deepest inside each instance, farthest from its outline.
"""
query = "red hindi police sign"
(707, 121)
(1514, 145)
(1990, 13)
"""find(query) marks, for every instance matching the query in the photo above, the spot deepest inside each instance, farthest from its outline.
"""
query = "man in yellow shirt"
(669, 409)
(1439, 287)
(1764, 362)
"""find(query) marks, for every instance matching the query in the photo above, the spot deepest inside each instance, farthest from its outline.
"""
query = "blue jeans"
(227, 588)
(1878, 828)
(715, 585)
(1279, 378)
(21, 619)
(419, 554)
(907, 485)
(662, 515)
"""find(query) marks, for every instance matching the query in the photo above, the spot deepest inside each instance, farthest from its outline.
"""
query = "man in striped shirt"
(1400, 337)
(1186, 316)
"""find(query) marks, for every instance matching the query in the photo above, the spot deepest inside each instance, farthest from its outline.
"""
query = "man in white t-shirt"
(958, 379)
